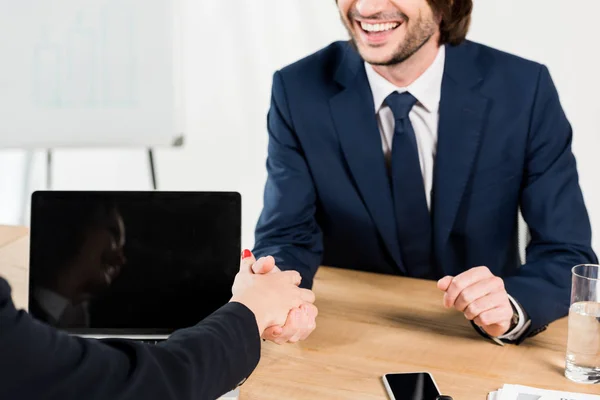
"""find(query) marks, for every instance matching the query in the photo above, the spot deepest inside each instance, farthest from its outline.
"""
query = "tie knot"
(400, 104)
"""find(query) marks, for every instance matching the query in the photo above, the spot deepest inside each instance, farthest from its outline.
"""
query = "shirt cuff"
(518, 330)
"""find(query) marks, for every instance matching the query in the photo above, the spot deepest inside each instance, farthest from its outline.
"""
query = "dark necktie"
(410, 204)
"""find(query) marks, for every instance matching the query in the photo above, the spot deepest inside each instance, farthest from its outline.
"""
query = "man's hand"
(481, 297)
(301, 321)
(271, 296)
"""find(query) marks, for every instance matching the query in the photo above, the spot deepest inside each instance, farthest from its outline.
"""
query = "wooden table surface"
(369, 325)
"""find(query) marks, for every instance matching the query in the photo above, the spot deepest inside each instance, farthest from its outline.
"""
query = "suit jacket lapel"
(354, 117)
(462, 114)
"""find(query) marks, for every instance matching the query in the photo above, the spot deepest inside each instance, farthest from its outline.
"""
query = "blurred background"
(230, 51)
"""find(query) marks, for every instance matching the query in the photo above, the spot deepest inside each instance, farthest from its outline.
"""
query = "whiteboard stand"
(29, 162)
(152, 167)
(112, 67)
(49, 169)
(26, 186)
(29, 166)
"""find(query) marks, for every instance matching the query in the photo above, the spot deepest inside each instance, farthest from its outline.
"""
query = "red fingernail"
(246, 253)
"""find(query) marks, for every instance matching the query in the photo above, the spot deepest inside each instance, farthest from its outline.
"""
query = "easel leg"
(49, 169)
(152, 168)
(26, 187)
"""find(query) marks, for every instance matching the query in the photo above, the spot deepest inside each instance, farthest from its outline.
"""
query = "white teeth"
(379, 27)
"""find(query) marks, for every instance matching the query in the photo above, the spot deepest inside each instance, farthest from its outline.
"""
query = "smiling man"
(409, 150)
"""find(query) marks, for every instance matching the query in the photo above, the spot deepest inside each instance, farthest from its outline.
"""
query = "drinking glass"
(583, 346)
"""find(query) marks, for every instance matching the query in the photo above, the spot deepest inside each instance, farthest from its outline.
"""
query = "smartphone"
(411, 386)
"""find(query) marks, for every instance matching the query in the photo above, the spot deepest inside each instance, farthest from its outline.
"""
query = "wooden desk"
(14, 262)
(369, 325)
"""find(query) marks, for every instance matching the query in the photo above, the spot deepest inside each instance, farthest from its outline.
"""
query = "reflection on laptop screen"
(131, 262)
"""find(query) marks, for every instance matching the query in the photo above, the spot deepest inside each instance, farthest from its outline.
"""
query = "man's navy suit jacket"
(504, 143)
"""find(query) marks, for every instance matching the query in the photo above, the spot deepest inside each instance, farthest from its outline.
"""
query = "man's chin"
(377, 59)
(373, 55)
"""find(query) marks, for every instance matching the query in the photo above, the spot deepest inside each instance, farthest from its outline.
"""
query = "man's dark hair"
(456, 19)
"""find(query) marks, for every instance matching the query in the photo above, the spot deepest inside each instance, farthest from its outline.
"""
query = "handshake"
(283, 311)
(286, 313)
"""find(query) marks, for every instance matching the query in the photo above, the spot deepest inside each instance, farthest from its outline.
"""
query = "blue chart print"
(47, 80)
(91, 64)
(118, 54)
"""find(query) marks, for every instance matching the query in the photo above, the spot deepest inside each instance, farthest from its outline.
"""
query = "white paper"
(518, 392)
(233, 395)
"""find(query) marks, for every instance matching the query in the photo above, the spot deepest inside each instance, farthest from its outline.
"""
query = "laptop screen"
(132, 262)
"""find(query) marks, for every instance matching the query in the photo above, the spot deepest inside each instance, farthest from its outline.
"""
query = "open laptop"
(135, 265)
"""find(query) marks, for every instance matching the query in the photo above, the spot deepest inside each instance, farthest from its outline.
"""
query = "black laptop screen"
(131, 262)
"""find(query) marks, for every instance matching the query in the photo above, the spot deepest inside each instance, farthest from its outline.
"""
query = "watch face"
(514, 320)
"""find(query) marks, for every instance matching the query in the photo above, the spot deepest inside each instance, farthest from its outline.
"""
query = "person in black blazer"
(201, 362)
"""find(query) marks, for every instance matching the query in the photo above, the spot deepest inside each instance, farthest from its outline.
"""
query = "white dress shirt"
(424, 116)
(52, 303)
(55, 306)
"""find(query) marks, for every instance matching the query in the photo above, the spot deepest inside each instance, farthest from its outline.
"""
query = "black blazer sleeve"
(201, 362)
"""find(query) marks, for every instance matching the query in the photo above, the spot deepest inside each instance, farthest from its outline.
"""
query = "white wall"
(232, 49)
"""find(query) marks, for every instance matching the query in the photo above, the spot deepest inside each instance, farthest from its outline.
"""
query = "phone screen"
(415, 386)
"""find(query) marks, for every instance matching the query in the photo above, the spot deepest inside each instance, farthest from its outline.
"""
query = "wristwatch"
(514, 322)
(515, 318)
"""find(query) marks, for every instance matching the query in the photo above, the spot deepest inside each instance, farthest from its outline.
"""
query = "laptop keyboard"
(150, 341)
(145, 341)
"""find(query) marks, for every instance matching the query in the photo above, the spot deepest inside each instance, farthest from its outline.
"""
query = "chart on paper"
(89, 62)
(90, 72)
